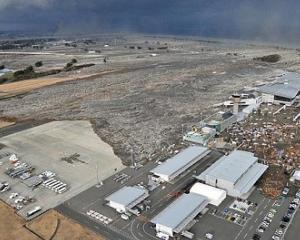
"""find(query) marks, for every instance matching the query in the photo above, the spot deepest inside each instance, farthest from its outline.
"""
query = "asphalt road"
(19, 127)
(139, 227)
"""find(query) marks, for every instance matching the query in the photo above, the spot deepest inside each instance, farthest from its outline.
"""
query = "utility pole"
(100, 183)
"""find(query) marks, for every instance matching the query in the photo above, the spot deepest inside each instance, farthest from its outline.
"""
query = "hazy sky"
(270, 20)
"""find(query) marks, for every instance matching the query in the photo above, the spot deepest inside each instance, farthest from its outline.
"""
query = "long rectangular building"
(236, 173)
(176, 165)
(126, 198)
(178, 215)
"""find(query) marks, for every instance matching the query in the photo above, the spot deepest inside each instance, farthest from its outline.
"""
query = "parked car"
(285, 191)
(256, 236)
(274, 237)
(13, 195)
(286, 219)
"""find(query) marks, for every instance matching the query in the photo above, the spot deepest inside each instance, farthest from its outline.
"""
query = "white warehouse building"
(126, 198)
(179, 163)
(214, 195)
(285, 90)
(236, 173)
(176, 218)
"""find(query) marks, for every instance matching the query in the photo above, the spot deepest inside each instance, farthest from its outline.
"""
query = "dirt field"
(53, 225)
(42, 228)
(12, 226)
(5, 122)
(21, 87)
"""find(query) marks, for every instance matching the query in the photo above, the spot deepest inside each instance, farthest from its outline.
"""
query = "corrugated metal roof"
(181, 212)
(287, 85)
(230, 167)
(250, 178)
(172, 165)
(127, 195)
(280, 89)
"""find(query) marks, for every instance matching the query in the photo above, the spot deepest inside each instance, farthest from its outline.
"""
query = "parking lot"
(70, 155)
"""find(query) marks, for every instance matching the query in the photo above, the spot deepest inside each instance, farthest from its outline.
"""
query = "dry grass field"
(50, 225)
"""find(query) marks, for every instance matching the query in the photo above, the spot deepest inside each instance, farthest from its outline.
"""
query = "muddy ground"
(157, 94)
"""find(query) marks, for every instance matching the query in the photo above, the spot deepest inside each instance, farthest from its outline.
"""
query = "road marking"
(255, 220)
(250, 227)
(245, 235)
(131, 230)
(126, 226)
(147, 232)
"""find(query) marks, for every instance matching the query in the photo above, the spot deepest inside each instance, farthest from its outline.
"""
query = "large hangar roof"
(180, 160)
(230, 167)
(181, 212)
(280, 89)
(127, 195)
(287, 85)
(249, 179)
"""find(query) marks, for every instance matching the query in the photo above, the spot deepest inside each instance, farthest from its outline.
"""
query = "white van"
(125, 217)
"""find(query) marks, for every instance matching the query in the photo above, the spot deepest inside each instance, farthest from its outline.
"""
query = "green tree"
(38, 64)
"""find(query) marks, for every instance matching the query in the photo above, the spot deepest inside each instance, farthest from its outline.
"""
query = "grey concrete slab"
(45, 145)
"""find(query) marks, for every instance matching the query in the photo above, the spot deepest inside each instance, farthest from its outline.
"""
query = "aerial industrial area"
(148, 137)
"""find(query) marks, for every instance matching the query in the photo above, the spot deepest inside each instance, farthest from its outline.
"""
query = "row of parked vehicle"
(55, 185)
(293, 206)
(121, 178)
(99, 217)
(20, 170)
(19, 201)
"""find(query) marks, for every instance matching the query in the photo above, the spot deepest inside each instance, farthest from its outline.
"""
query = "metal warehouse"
(126, 198)
(236, 173)
(176, 165)
(284, 91)
(214, 195)
(179, 214)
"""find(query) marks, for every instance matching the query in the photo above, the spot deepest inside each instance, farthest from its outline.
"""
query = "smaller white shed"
(214, 195)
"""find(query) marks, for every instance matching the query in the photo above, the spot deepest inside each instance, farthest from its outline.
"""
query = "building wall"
(117, 206)
(164, 229)
(288, 103)
(267, 98)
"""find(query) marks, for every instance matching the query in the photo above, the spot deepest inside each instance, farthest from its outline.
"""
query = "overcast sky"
(268, 20)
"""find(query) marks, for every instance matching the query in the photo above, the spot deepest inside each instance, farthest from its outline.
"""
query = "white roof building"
(214, 195)
(236, 173)
(177, 164)
(126, 198)
(179, 214)
(283, 91)
(296, 176)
